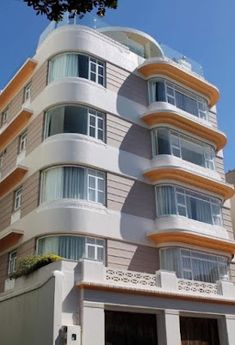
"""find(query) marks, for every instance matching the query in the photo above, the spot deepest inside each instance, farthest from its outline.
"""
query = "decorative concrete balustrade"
(95, 273)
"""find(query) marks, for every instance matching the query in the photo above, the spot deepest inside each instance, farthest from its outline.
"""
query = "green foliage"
(29, 264)
(54, 9)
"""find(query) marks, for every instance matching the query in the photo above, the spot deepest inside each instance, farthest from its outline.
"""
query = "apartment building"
(111, 158)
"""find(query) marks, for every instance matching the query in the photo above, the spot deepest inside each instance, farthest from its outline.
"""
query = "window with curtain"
(74, 119)
(194, 265)
(172, 200)
(169, 141)
(161, 90)
(72, 182)
(72, 247)
(76, 65)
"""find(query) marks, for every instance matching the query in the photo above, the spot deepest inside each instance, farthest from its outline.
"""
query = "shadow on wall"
(129, 196)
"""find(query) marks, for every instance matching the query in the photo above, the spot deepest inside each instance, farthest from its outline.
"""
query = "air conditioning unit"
(71, 335)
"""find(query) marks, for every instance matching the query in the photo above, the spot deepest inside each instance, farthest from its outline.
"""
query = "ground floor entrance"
(199, 331)
(123, 328)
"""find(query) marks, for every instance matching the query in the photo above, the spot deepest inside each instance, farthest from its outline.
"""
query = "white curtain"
(52, 184)
(54, 122)
(199, 209)
(74, 183)
(170, 260)
(48, 245)
(71, 247)
(165, 200)
(71, 67)
(64, 65)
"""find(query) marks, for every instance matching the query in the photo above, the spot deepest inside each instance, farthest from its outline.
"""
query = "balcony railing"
(97, 23)
(93, 274)
(162, 282)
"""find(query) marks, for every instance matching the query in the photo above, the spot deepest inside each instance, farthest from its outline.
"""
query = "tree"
(54, 9)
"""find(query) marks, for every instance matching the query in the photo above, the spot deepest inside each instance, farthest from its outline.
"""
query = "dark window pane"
(100, 80)
(75, 120)
(55, 121)
(163, 141)
(83, 66)
(159, 92)
(93, 76)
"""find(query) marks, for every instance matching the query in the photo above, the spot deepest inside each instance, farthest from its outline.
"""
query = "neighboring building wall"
(3, 270)
(6, 207)
(28, 317)
(39, 80)
(27, 248)
(9, 158)
(34, 133)
(30, 194)
(15, 105)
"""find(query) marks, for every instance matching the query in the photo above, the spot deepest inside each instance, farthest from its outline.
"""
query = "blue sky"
(201, 29)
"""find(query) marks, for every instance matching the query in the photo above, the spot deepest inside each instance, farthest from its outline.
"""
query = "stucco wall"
(27, 319)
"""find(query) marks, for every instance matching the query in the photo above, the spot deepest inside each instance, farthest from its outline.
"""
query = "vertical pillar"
(169, 328)
(226, 327)
(93, 324)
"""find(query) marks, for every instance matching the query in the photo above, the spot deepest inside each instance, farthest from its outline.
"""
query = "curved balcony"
(16, 83)
(192, 239)
(164, 113)
(13, 128)
(158, 66)
(168, 160)
(190, 178)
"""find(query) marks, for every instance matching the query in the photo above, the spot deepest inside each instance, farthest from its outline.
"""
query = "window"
(17, 199)
(73, 247)
(168, 141)
(75, 119)
(73, 183)
(12, 262)
(22, 142)
(194, 265)
(27, 92)
(184, 202)
(4, 117)
(95, 184)
(94, 249)
(76, 65)
(165, 91)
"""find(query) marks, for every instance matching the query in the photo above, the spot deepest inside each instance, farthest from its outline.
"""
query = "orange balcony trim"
(14, 85)
(14, 127)
(177, 73)
(12, 179)
(192, 179)
(189, 238)
(179, 121)
(9, 239)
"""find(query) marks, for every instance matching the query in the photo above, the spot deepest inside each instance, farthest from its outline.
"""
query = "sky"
(203, 30)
